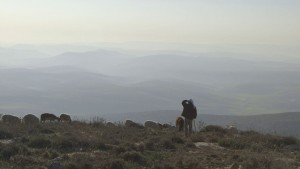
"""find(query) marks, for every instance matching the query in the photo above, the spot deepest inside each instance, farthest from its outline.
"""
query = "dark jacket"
(189, 110)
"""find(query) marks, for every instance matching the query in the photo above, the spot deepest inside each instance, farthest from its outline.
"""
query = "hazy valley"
(118, 85)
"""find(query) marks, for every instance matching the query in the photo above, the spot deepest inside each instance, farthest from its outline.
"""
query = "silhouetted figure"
(189, 113)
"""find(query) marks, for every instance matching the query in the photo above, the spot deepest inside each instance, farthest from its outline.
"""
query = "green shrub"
(25, 161)
(24, 140)
(197, 137)
(47, 131)
(190, 144)
(257, 147)
(5, 135)
(71, 166)
(233, 143)
(39, 142)
(135, 157)
(289, 140)
(9, 151)
(193, 163)
(87, 166)
(119, 149)
(64, 144)
(214, 128)
(264, 162)
(116, 164)
(272, 141)
(103, 146)
(149, 145)
(167, 144)
(177, 139)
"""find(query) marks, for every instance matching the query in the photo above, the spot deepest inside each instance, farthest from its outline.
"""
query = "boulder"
(152, 124)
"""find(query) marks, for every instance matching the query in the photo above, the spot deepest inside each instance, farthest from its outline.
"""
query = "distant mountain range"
(106, 81)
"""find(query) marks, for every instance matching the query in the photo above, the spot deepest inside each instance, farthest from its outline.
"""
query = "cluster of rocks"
(30, 119)
(147, 124)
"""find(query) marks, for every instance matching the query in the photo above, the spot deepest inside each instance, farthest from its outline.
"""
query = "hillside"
(117, 146)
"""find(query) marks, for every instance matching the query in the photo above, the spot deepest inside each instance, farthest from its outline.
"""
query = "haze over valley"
(121, 81)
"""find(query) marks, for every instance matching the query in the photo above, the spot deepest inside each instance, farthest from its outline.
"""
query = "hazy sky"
(184, 21)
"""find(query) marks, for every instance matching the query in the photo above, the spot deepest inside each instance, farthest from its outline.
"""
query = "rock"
(167, 126)
(110, 124)
(30, 119)
(211, 145)
(152, 124)
(11, 119)
(130, 123)
(56, 165)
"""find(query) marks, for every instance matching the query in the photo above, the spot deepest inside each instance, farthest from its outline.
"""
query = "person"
(189, 113)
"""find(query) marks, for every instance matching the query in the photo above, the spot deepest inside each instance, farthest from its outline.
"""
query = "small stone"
(56, 165)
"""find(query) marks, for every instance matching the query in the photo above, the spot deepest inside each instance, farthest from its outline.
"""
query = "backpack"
(189, 110)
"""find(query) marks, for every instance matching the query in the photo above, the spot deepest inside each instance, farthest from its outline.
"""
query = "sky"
(275, 22)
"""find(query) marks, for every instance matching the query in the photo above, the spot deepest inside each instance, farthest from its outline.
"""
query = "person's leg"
(190, 127)
(186, 122)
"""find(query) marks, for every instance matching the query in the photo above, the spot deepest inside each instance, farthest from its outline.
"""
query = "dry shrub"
(8, 151)
(47, 131)
(197, 137)
(5, 135)
(233, 143)
(65, 144)
(80, 161)
(190, 144)
(135, 157)
(98, 122)
(177, 139)
(289, 140)
(39, 142)
(25, 161)
(267, 140)
(116, 164)
(264, 162)
(68, 142)
(214, 128)
(193, 163)
(167, 144)
(53, 154)
(102, 146)
(119, 150)
(150, 145)
(257, 147)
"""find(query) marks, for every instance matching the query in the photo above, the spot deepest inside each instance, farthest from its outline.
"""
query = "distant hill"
(286, 124)
(108, 81)
(75, 90)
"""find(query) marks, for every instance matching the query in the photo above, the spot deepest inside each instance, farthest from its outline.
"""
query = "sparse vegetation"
(97, 145)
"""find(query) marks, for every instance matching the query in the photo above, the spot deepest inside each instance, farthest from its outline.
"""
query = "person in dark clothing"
(189, 113)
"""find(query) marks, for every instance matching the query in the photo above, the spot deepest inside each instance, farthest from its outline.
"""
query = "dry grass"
(94, 145)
